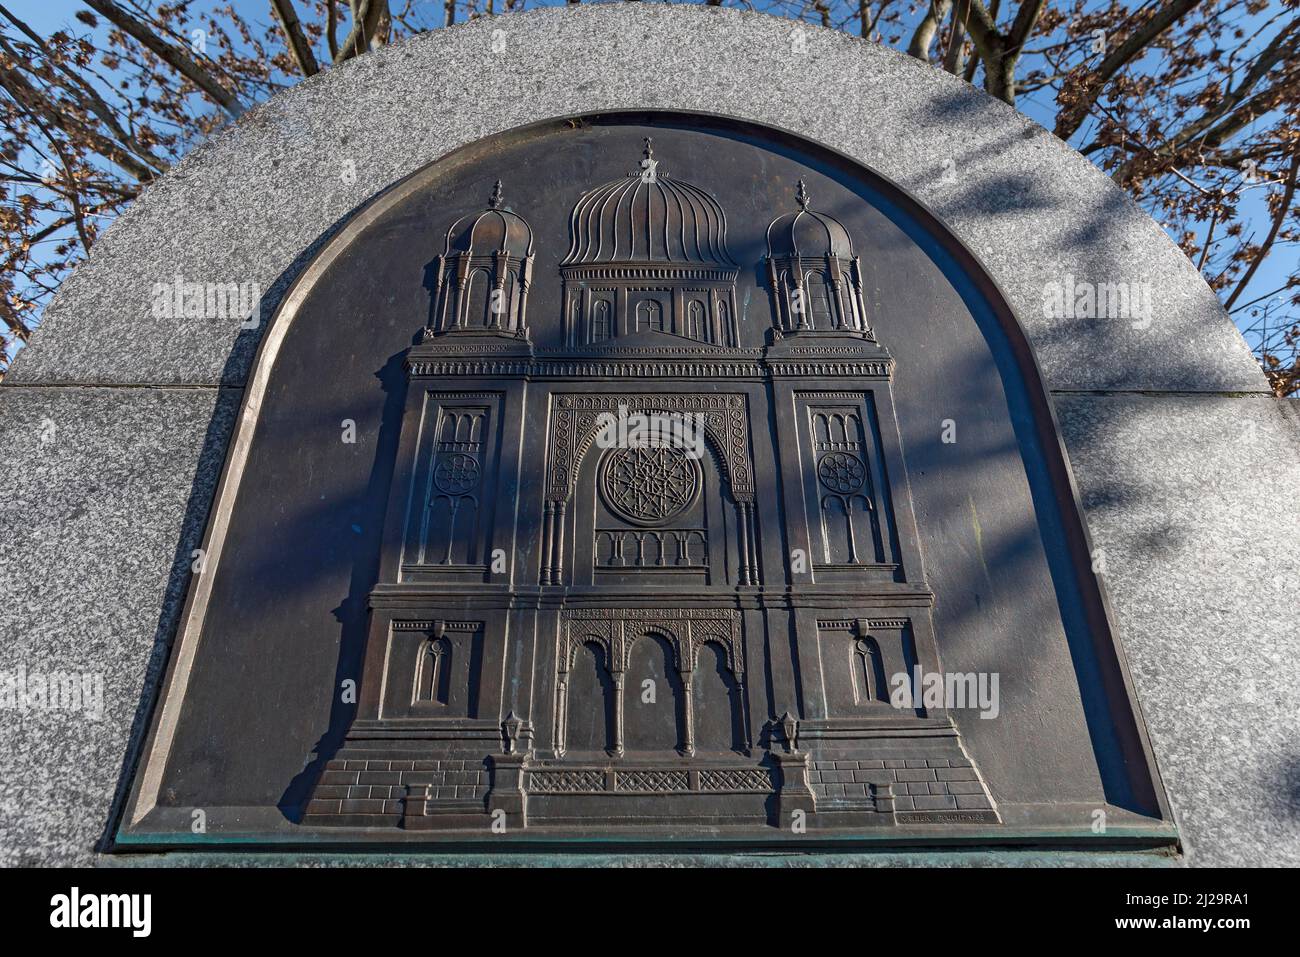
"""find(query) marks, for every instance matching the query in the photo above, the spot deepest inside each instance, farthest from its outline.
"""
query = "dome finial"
(802, 196)
(497, 199)
(649, 165)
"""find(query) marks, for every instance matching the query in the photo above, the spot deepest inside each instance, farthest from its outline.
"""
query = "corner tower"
(814, 275)
(481, 279)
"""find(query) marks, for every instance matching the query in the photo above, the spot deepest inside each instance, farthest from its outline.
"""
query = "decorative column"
(562, 707)
(752, 526)
(742, 516)
(782, 304)
(557, 563)
(439, 322)
(842, 320)
(859, 303)
(500, 266)
(548, 536)
(748, 543)
(687, 675)
(847, 504)
(525, 281)
(462, 274)
(618, 710)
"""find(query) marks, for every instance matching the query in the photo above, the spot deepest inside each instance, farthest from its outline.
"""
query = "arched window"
(433, 673)
(818, 297)
(696, 323)
(600, 321)
(590, 720)
(477, 294)
(649, 316)
(869, 683)
(653, 697)
(716, 703)
(575, 330)
(797, 301)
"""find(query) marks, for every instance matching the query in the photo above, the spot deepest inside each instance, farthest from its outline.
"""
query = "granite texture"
(106, 492)
(1193, 500)
(1191, 496)
(252, 203)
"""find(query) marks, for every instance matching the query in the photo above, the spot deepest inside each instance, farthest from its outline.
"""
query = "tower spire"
(496, 200)
(802, 196)
(649, 165)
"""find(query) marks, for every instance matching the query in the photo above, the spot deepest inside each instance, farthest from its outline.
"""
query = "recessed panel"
(702, 489)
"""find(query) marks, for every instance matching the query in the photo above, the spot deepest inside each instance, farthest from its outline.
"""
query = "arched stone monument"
(642, 441)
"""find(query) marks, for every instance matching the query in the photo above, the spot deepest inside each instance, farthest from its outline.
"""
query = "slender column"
(548, 536)
(440, 303)
(618, 712)
(453, 507)
(801, 297)
(744, 543)
(782, 304)
(557, 566)
(561, 713)
(859, 303)
(499, 265)
(525, 280)
(746, 712)
(847, 500)
(688, 737)
(462, 273)
(752, 526)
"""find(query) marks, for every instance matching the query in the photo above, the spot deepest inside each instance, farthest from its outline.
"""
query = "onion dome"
(648, 217)
(496, 229)
(807, 233)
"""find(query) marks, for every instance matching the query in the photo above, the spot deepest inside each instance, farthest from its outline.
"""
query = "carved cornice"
(851, 624)
(736, 364)
(879, 368)
(429, 624)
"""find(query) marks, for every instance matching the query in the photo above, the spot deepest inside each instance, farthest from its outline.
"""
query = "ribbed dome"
(648, 217)
(495, 229)
(808, 233)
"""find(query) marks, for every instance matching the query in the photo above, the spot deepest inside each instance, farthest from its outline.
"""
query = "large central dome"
(648, 217)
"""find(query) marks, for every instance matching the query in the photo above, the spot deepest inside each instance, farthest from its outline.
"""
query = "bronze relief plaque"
(701, 490)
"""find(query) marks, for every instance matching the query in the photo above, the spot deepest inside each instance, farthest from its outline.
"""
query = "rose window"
(841, 472)
(648, 486)
(456, 473)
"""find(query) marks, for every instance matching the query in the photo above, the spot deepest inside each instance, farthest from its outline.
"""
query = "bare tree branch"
(37, 105)
(169, 54)
(1283, 210)
(87, 96)
(1069, 119)
(357, 41)
(923, 37)
(1283, 45)
(299, 47)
